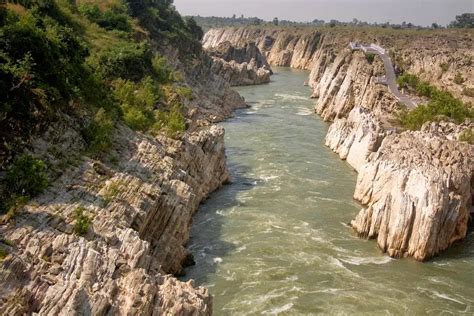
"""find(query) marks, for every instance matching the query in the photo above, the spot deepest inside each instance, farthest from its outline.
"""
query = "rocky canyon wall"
(240, 65)
(415, 187)
(136, 205)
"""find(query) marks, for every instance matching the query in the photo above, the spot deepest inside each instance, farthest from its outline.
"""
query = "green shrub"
(444, 67)
(407, 81)
(458, 79)
(3, 253)
(162, 71)
(112, 191)
(370, 57)
(137, 101)
(90, 11)
(137, 119)
(110, 19)
(424, 89)
(98, 134)
(41, 65)
(185, 92)
(467, 136)
(442, 105)
(81, 227)
(126, 61)
(26, 176)
(172, 123)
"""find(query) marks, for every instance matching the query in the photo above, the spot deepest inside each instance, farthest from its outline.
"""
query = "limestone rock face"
(416, 191)
(243, 52)
(140, 210)
(354, 138)
(241, 74)
(240, 65)
(280, 47)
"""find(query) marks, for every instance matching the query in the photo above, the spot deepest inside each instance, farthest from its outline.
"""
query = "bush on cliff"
(42, 65)
(81, 226)
(98, 133)
(115, 18)
(443, 105)
(467, 136)
(54, 61)
(25, 178)
(370, 58)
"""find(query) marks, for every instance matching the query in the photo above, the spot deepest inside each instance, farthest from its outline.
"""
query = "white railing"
(358, 46)
(378, 48)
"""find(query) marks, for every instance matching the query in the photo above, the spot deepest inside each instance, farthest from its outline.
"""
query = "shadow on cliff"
(460, 250)
(206, 242)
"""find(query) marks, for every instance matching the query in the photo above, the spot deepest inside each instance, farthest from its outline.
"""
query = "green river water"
(275, 241)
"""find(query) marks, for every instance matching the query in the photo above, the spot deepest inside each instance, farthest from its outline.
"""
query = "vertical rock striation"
(240, 65)
(137, 205)
(140, 211)
(416, 192)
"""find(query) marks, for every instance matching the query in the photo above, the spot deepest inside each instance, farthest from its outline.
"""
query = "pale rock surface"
(140, 210)
(417, 194)
(240, 65)
(354, 138)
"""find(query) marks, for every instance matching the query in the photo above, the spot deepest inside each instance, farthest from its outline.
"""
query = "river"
(276, 240)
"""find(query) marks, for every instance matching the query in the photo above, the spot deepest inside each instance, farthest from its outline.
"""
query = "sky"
(420, 12)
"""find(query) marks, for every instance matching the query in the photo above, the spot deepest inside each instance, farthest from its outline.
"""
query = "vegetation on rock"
(98, 58)
(81, 226)
(441, 104)
(467, 136)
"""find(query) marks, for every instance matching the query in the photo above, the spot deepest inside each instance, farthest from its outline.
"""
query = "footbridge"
(390, 78)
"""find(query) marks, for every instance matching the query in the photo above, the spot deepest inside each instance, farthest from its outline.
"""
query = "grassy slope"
(97, 72)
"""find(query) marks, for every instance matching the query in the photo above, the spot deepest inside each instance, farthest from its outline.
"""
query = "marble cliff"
(415, 188)
(241, 64)
(140, 204)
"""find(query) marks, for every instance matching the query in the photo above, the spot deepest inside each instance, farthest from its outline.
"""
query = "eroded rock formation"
(240, 65)
(139, 200)
(416, 192)
(140, 211)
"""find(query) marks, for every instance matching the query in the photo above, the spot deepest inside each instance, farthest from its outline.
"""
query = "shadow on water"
(206, 243)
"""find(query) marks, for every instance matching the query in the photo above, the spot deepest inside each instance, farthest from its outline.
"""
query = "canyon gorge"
(416, 188)
(236, 130)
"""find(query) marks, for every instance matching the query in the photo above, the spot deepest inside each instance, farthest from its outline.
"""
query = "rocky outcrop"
(280, 47)
(245, 52)
(354, 138)
(416, 191)
(244, 74)
(415, 186)
(140, 209)
(139, 200)
(436, 56)
(240, 65)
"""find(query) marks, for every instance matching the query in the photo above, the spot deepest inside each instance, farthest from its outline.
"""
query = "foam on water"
(290, 97)
(278, 310)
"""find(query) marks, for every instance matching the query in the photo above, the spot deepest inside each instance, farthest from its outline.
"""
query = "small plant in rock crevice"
(81, 227)
(370, 58)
